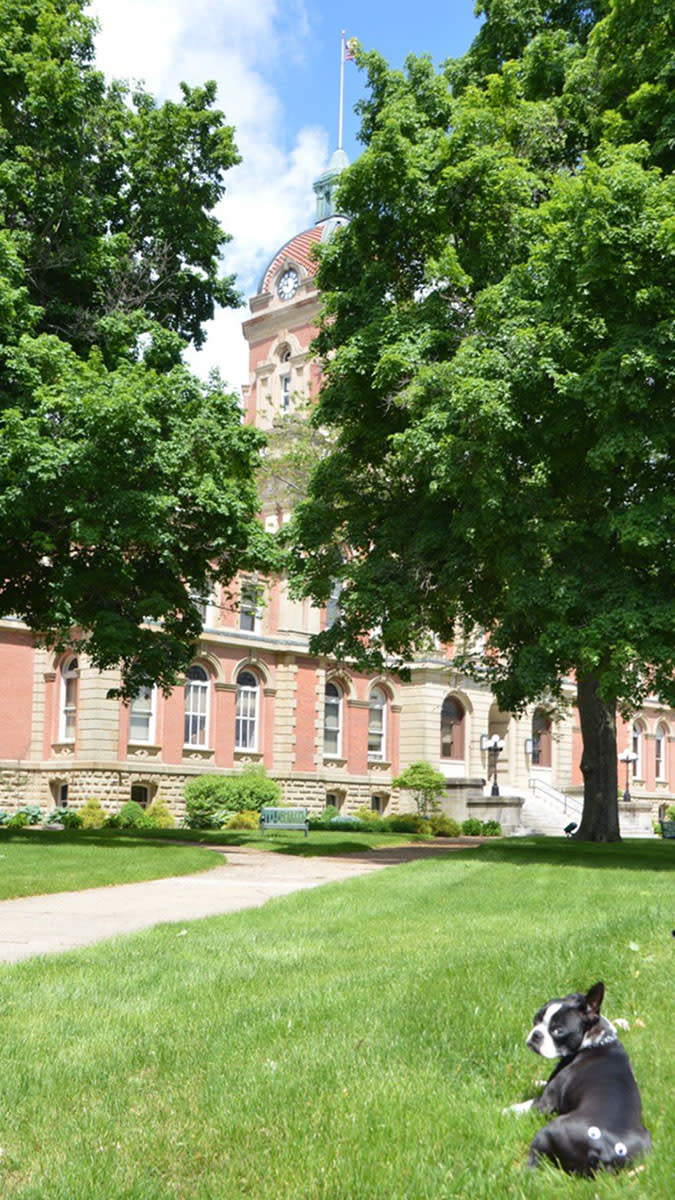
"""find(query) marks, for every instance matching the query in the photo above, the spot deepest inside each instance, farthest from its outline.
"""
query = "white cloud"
(269, 195)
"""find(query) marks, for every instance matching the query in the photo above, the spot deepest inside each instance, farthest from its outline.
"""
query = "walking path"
(65, 920)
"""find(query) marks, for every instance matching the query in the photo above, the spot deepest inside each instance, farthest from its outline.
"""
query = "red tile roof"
(297, 250)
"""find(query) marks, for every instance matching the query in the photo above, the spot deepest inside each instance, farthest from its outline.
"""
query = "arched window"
(377, 723)
(452, 728)
(637, 746)
(142, 716)
(246, 712)
(196, 706)
(68, 711)
(541, 739)
(661, 768)
(332, 720)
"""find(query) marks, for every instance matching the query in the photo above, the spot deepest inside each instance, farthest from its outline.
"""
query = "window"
(332, 720)
(69, 676)
(140, 794)
(62, 795)
(377, 714)
(541, 740)
(377, 804)
(333, 608)
(196, 706)
(248, 607)
(452, 729)
(246, 712)
(660, 754)
(636, 747)
(142, 716)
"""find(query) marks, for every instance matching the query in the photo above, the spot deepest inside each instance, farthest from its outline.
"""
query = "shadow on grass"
(634, 855)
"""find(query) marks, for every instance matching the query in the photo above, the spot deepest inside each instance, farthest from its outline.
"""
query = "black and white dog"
(593, 1089)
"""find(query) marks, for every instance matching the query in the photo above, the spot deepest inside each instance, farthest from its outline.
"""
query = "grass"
(357, 1042)
(35, 861)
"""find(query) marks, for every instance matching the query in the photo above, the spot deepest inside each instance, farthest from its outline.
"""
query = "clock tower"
(284, 313)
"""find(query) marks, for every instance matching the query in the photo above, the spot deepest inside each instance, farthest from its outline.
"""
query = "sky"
(277, 67)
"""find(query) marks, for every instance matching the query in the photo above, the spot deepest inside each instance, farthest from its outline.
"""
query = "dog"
(593, 1089)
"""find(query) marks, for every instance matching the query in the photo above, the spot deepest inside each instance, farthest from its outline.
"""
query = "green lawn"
(356, 1042)
(34, 861)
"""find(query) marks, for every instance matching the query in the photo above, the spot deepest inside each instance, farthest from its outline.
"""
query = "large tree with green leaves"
(498, 350)
(125, 483)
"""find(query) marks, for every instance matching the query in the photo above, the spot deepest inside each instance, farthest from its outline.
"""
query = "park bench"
(284, 818)
(667, 829)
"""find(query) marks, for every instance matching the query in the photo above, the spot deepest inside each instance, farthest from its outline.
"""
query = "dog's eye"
(594, 1133)
(557, 1033)
(620, 1150)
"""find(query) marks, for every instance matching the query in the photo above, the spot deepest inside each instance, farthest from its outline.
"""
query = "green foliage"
(92, 814)
(109, 264)
(68, 817)
(18, 820)
(491, 829)
(246, 819)
(425, 783)
(32, 812)
(498, 362)
(444, 826)
(160, 815)
(408, 823)
(472, 827)
(207, 796)
(132, 816)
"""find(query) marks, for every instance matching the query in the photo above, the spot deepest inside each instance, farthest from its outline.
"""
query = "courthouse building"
(255, 694)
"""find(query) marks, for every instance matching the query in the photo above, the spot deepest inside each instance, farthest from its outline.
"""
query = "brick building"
(255, 694)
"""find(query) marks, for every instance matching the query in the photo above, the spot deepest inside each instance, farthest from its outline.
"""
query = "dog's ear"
(593, 999)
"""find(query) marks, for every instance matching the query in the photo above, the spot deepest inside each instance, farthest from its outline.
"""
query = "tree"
(499, 375)
(126, 485)
(425, 783)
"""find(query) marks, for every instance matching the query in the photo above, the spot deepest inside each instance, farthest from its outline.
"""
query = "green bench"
(667, 829)
(284, 818)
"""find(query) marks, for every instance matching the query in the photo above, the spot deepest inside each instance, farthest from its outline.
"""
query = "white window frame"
(68, 706)
(145, 705)
(197, 694)
(374, 706)
(249, 606)
(637, 743)
(334, 704)
(660, 764)
(246, 724)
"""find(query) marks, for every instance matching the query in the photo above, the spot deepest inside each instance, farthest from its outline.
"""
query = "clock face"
(288, 284)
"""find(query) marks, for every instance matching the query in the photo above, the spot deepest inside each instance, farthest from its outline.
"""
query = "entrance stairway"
(547, 811)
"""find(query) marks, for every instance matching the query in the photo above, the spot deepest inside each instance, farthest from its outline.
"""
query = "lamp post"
(627, 757)
(494, 745)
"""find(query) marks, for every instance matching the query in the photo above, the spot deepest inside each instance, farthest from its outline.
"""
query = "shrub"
(4, 818)
(367, 815)
(205, 796)
(246, 819)
(322, 820)
(160, 816)
(491, 829)
(208, 795)
(132, 816)
(32, 813)
(92, 814)
(18, 820)
(444, 826)
(112, 821)
(68, 817)
(472, 827)
(670, 813)
(408, 823)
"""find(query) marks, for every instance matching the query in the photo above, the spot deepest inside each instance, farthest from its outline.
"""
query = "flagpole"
(342, 88)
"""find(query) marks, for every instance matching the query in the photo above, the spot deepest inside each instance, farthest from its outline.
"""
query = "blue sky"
(276, 63)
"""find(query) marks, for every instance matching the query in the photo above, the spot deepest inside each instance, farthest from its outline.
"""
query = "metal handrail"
(548, 792)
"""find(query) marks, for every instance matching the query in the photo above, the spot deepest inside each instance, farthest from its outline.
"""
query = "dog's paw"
(518, 1109)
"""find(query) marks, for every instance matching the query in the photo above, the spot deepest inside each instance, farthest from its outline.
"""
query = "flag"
(351, 46)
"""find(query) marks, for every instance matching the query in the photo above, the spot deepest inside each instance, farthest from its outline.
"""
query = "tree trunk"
(600, 819)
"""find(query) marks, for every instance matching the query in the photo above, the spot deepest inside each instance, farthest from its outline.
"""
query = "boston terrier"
(592, 1088)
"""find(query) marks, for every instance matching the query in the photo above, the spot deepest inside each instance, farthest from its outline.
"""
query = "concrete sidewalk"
(64, 920)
